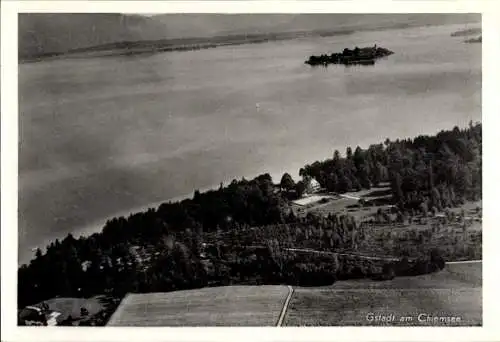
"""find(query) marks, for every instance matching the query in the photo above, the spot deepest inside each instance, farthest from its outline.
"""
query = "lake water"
(102, 136)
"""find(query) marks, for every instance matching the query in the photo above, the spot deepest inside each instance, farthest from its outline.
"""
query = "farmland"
(221, 306)
(447, 293)
(453, 292)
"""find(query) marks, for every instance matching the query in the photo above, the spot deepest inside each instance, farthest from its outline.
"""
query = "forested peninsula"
(256, 232)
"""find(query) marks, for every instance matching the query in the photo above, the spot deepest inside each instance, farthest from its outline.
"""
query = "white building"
(312, 186)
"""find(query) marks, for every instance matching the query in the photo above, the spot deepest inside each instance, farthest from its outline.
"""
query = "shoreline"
(145, 47)
(98, 224)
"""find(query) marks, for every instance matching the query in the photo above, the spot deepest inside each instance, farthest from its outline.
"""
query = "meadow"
(221, 306)
(453, 292)
(445, 293)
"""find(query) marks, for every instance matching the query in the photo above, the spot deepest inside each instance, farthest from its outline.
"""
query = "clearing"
(345, 203)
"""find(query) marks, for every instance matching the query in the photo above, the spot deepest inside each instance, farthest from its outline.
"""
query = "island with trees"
(422, 213)
(362, 56)
(475, 40)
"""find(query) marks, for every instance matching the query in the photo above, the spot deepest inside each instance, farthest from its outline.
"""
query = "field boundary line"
(116, 314)
(464, 262)
(362, 256)
(285, 306)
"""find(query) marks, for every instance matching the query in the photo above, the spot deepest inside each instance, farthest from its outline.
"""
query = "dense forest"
(427, 171)
(243, 233)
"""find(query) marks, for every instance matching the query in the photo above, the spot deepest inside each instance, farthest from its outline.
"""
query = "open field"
(466, 272)
(221, 306)
(310, 200)
(346, 203)
(456, 291)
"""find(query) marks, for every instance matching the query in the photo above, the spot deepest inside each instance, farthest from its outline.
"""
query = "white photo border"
(9, 174)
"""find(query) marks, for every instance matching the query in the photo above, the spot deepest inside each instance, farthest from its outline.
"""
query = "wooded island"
(363, 56)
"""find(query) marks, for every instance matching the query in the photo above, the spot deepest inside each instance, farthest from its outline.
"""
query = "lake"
(106, 136)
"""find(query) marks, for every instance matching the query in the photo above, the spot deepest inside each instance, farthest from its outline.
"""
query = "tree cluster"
(425, 172)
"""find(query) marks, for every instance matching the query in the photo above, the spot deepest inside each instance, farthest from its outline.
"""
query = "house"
(312, 186)
(34, 315)
(86, 265)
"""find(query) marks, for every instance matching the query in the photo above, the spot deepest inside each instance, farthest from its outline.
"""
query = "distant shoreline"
(132, 48)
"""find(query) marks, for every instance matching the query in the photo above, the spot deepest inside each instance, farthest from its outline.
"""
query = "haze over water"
(102, 136)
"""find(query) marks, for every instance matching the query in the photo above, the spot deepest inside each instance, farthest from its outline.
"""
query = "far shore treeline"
(243, 233)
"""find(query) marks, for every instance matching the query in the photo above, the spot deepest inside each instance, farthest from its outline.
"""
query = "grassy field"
(346, 203)
(221, 306)
(454, 292)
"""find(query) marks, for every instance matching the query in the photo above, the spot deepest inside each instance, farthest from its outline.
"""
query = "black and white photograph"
(249, 169)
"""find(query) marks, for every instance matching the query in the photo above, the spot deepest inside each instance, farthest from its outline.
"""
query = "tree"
(332, 182)
(464, 181)
(300, 188)
(349, 153)
(377, 174)
(336, 157)
(287, 182)
(84, 312)
(388, 272)
(345, 184)
(396, 187)
(437, 259)
(435, 195)
(424, 208)
(38, 254)
(359, 157)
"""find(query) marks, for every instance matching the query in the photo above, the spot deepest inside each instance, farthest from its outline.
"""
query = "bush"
(437, 259)
(388, 273)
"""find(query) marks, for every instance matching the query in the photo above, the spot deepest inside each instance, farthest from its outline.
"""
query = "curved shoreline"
(97, 225)
(27, 252)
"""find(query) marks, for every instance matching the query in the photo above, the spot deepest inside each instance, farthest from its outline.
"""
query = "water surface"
(102, 136)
